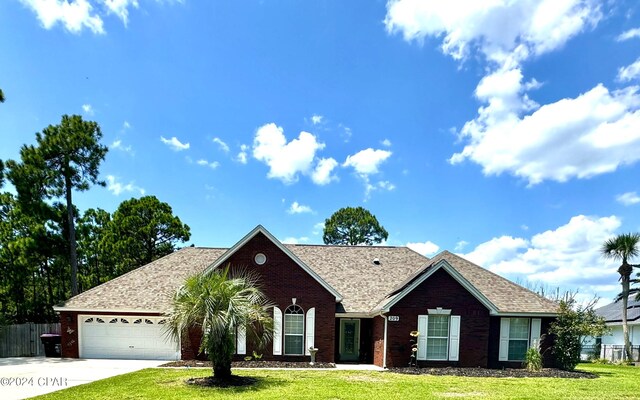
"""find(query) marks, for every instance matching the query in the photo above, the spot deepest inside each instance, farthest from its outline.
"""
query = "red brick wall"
(440, 290)
(378, 341)
(281, 280)
(69, 329)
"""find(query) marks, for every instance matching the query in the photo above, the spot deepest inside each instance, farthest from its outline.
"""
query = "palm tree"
(219, 302)
(623, 247)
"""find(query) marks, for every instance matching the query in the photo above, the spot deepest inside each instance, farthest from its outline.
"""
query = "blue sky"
(505, 131)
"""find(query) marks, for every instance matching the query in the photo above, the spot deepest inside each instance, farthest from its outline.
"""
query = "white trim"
(310, 319)
(454, 338)
(356, 315)
(241, 340)
(535, 325)
(277, 331)
(109, 312)
(523, 315)
(438, 311)
(285, 334)
(454, 274)
(261, 229)
(503, 348)
(423, 325)
(384, 351)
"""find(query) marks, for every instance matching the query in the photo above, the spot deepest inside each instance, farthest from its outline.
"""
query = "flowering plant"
(413, 358)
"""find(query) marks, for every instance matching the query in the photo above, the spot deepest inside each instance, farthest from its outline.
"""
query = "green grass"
(614, 382)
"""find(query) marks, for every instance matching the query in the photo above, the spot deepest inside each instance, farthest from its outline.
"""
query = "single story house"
(611, 346)
(352, 303)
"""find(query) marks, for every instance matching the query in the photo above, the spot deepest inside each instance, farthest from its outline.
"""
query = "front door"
(349, 339)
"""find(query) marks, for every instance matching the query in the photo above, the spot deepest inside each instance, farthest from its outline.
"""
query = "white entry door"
(125, 337)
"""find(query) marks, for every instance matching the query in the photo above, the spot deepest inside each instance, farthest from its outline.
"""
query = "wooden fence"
(24, 339)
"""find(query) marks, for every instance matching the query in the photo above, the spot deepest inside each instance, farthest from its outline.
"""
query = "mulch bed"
(249, 364)
(495, 373)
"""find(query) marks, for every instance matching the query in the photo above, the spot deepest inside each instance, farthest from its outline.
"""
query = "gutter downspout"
(384, 350)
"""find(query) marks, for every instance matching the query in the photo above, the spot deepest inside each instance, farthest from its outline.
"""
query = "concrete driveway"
(23, 377)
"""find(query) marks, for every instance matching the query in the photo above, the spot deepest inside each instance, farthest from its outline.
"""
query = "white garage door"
(125, 337)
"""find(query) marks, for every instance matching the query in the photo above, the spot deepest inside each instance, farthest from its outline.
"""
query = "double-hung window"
(437, 337)
(294, 330)
(518, 338)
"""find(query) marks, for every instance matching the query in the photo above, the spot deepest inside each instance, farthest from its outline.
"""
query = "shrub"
(533, 359)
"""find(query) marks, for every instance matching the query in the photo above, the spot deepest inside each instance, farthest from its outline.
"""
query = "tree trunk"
(222, 371)
(73, 258)
(625, 276)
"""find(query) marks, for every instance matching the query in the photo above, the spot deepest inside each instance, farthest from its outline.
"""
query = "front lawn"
(615, 382)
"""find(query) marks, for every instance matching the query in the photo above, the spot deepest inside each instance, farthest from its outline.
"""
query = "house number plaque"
(394, 318)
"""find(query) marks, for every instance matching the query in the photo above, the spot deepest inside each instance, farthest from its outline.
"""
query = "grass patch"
(614, 382)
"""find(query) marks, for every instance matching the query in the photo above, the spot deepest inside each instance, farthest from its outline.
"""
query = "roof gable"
(260, 229)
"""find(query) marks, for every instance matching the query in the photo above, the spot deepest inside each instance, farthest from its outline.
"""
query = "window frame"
(431, 318)
(511, 320)
(292, 310)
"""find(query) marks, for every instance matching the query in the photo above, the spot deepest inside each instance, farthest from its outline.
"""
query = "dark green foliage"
(66, 157)
(218, 302)
(1, 96)
(143, 230)
(574, 323)
(353, 226)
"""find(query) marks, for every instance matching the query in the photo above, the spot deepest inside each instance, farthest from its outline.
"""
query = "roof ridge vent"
(376, 261)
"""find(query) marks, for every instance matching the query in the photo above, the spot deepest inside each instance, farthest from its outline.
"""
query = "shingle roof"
(149, 287)
(613, 312)
(350, 270)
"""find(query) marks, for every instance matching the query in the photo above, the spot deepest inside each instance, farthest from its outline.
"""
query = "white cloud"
(297, 208)
(628, 199)
(205, 163)
(318, 228)
(504, 31)
(367, 162)
(294, 240)
(117, 145)
(316, 119)
(346, 133)
(321, 175)
(285, 160)
(174, 144)
(630, 72)
(223, 146)
(568, 257)
(461, 245)
(117, 188)
(242, 154)
(630, 34)
(426, 249)
(581, 137)
(386, 143)
(87, 109)
(74, 15)
(121, 8)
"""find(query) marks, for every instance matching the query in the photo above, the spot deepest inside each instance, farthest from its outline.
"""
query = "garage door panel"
(130, 337)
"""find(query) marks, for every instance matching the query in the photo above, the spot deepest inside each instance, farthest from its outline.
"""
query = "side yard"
(614, 382)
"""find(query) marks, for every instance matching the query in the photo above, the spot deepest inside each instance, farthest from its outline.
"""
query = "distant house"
(611, 346)
(353, 303)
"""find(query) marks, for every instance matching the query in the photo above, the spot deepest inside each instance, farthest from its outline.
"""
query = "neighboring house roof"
(365, 279)
(613, 312)
(148, 288)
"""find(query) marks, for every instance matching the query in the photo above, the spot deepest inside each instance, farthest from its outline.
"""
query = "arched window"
(294, 330)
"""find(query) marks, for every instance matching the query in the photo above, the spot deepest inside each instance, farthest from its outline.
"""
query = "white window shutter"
(241, 340)
(503, 352)
(536, 324)
(310, 329)
(454, 338)
(423, 320)
(277, 331)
